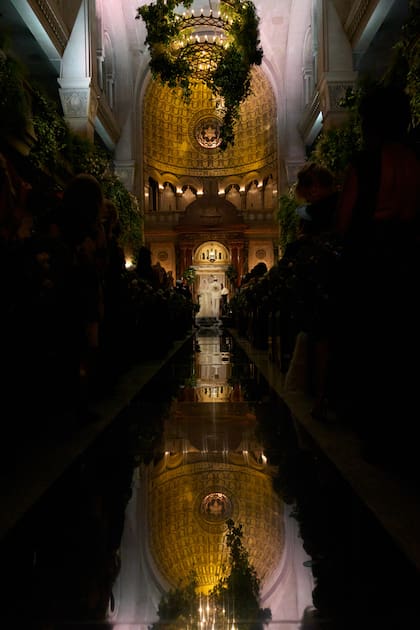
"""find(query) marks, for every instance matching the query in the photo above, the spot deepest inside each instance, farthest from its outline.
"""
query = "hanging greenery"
(189, 275)
(231, 274)
(334, 148)
(61, 153)
(178, 53)
(288, 219)
(404, 69)
(14, 97)
(129, 214)
(51, 133)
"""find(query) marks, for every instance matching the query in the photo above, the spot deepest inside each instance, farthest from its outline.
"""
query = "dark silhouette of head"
(385, 114)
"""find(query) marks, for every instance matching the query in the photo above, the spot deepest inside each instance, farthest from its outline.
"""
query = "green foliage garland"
(405, 68)
(130, 217)
(230, 78)
(58, 151)
(189, 275)
(14, 102)
(52, 135)
(288, 219)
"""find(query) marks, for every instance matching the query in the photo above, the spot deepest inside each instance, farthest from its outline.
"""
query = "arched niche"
(210, 253)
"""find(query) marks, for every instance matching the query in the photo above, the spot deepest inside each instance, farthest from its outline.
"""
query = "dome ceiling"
(182, 139)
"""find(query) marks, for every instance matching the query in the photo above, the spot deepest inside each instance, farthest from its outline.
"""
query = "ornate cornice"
(309, 118)
(357, 18)
(52, 21)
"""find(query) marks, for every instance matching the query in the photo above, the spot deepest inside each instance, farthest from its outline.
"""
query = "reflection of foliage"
(241, 585)
(178, 606)
(229, 74)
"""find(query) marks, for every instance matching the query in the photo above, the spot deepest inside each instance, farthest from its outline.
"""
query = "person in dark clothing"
(144, 268)
(82, 234)
(378, 219)
(313, 264)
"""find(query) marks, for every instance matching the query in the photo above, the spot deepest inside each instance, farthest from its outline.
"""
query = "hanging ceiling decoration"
(214, 48)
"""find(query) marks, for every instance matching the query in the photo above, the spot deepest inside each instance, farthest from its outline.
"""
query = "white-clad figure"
(215, 292)
(205, 297)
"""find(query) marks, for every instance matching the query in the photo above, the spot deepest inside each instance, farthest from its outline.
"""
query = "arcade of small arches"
(168, 196)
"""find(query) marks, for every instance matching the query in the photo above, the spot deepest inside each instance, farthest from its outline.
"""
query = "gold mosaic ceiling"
(178, 136)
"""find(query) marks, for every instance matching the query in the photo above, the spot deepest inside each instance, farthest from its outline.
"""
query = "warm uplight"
(129, 263)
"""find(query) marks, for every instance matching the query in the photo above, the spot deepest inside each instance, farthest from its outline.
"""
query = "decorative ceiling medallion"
(207, 133)
(216, 507)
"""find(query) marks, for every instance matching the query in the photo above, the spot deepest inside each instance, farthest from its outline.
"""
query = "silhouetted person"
(83, 235)
(313, 264)
(378, 218)
(144, 268)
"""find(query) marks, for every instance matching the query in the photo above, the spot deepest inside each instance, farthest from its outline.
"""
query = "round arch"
(210, 261)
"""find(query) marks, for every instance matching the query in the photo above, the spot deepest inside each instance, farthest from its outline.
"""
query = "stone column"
(78, 98)
(335, 65)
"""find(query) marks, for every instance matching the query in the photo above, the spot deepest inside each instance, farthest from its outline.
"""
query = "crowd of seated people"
(348, 285)
(73, 318)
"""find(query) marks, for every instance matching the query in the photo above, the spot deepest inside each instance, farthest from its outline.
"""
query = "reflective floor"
(206, 442)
